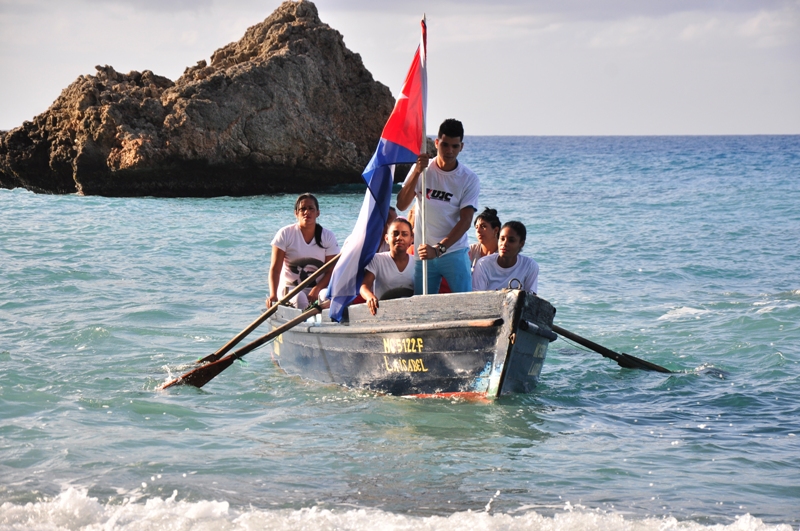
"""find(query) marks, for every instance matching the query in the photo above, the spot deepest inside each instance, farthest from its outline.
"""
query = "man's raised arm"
(406, 194)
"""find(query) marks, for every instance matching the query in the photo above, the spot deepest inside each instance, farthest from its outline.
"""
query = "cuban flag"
(401, 143)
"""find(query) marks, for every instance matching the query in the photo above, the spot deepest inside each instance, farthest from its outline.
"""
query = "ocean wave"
(74, 509)
(682, 313)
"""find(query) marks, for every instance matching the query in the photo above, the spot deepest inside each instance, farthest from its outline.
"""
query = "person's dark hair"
(489, 215)
(317, 227)
(452, 128)
(305, 196)
(517, 227)
(404, 220)
(393, 209)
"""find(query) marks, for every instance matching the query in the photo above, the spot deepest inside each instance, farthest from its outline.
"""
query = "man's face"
(448, 147)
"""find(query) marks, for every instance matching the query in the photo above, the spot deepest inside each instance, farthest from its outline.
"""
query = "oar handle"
(275, 333)
(600, 349)
(264, 316)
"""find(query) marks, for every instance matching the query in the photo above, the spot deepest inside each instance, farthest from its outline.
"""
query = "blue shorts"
(452, 266)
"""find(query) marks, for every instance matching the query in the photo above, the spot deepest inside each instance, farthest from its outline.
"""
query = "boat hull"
(466, 344)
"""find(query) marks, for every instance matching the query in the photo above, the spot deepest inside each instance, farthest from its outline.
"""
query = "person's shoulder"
(288, 229)
(380, 258)
(528, 261)
(328, 234)
(285, 232)
(465, 170)
(386, 257)
(474, 251)
(487, 261)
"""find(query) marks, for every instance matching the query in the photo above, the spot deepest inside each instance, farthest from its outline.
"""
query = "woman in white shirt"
(487, 230)
(392, 273)
(497, 270)
(297, 251)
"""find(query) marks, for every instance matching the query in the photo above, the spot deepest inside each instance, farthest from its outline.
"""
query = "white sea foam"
(682, 313)
(73, 509)
(774, 305)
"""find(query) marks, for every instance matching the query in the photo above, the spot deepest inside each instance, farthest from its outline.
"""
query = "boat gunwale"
(396, 327)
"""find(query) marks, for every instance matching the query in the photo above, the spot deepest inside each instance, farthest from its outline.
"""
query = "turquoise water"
(679, 250)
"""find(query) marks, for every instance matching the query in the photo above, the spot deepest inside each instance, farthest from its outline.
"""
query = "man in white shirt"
(451, 194)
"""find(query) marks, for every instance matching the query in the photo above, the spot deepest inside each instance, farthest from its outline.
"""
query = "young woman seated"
(487, 230)
(297, 251)
(496, 271)
(392, 273)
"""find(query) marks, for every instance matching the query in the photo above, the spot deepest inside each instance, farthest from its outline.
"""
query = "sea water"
(683, 251)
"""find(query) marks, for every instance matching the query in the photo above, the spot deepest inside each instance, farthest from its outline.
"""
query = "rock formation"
(287, 108)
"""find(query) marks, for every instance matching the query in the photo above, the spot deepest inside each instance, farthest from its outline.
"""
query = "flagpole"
(422, 222)
(424, 149)
(397, 145)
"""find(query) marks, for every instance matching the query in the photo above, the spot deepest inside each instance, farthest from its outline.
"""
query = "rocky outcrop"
(286, 108)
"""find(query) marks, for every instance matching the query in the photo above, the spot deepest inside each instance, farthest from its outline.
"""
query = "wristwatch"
(440, 248)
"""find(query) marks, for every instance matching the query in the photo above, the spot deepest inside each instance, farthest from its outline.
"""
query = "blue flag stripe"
(360, 247)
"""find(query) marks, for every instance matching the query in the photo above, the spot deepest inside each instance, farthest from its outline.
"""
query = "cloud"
(772, 28)
(568, 10)
(169, 6)
(574, 10)
(698, 30)
(505, 66)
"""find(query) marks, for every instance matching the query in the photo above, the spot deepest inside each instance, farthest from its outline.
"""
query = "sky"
(503, 67)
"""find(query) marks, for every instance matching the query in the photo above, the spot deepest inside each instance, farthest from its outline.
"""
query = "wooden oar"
(264, 316)
(624, 360)
(202, 375)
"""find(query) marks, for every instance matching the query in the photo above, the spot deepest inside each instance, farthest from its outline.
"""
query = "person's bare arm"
(278, 255)
(463, 225)
(321, 283)
(366, 292)
(426, 252)
(406, 194)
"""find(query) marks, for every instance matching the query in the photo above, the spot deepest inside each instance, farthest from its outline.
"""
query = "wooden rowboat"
(470, 345)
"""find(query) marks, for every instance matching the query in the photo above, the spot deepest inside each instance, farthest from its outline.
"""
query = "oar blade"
(202, 375)
(623, 360)
(632, 362)
(205, 373)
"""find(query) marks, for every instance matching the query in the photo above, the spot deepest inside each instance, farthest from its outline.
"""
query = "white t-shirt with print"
(447, 193)
(488, 275)
(302, 258)
(387, 276)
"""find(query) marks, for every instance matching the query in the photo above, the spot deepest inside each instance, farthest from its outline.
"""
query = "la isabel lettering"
(404, 365)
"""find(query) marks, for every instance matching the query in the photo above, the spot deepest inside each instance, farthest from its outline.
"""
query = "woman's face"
(484, 231)
(307, 212)
(399, 236)
(509, 244)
